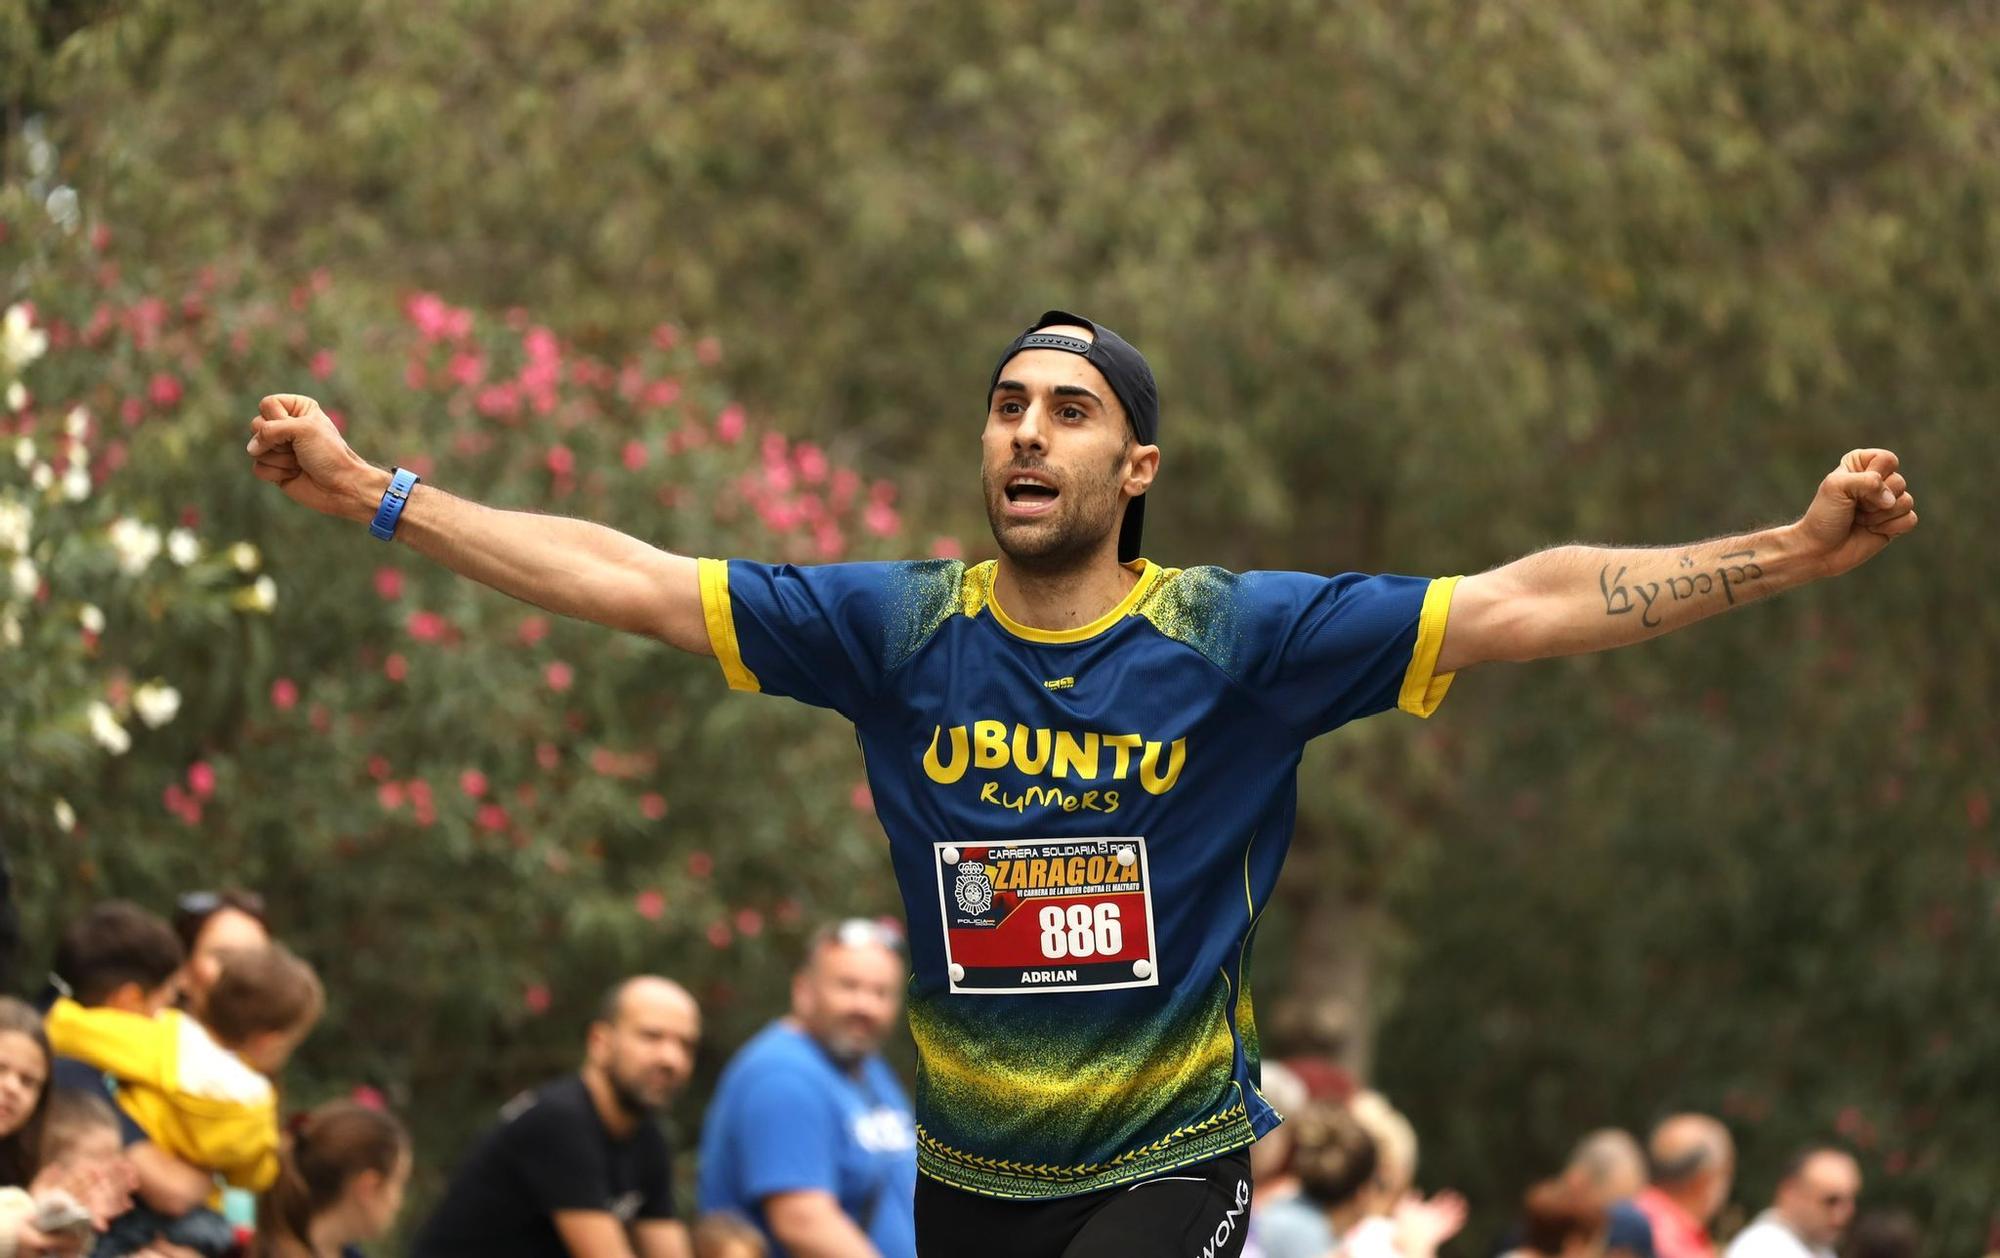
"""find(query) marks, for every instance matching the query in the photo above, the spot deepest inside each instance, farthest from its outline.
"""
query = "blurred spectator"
(1883, 1234)
(1402, 1222)
(577, 1167)
(1609, 1169)
(1335, 1161)
(1817, 1191)
(1283, 1224)
(119, 956)
(83, 1149)
(36, 1216)
(209, 924)
(726, 1235)
(203, 1093)
(1560, 1220)
(344, 1169)
(1395, 1141)
(1694, 1163)
(809, 1134)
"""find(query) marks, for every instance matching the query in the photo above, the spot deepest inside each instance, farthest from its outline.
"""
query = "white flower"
(245, 557)
(91, 618)
(77, 423)
(24, 452)
(104, 727)
(263, 595)
(137, 544)
(20, 341)
(183, 547)
(65, 815)
(17, 396)
(156, 703)
(10, 630)
(17, 521)
(76, 482)
(26, 579)
(43, 476)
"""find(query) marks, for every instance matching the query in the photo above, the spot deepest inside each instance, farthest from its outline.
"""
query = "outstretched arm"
(570, 567)
(1574, 599)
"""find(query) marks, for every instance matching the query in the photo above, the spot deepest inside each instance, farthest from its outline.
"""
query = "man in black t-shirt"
(577, 1168)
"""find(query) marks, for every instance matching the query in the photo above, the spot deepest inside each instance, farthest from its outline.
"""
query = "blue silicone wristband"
(394, 499)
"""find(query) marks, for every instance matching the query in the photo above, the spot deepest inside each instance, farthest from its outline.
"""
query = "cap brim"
(1128, 534)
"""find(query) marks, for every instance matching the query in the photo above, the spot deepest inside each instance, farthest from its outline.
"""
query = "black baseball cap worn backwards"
(1130, 378)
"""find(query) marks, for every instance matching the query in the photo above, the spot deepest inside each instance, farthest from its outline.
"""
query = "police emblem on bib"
(1047, 915)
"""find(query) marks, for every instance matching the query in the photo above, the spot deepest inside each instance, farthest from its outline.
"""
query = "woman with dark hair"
(1561, 1221)
(212, 924)
(34, 1219)
(343, 1172)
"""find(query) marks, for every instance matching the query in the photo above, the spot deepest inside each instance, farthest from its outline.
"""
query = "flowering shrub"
(471, 815)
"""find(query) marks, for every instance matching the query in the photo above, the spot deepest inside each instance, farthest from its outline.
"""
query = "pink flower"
(773, 449)
(466, 368)
(708, 351)
(378, 767)
(390, 795)
(634, 455)
(729, 424)
(491, 818)
(559, 676)
(457, 322)
(321, 365)
(369, 1098)
(718, 934)
(396, 668)
(666, 336)
(201, 779)
(429, 314)
(700, 863)
(499, 401)
(532, 630)
(749, 923)
(284, 694)
(427, 627)
(828, 541)
(540, 345)
(881, 519)
(561, 460)
(164, 390)
(420, 792)
(547, 755)
(811, 462)
(861, 798)
(947, 548)
(338, 420)
(883, 491)
(473, 783)
(388, 583)
(846, 484)
(653, 805)
(535, 998)
(661, 393)
(650, 905)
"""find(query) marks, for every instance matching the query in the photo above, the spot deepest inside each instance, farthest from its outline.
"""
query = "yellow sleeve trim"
(720, 618)
(1422, 690)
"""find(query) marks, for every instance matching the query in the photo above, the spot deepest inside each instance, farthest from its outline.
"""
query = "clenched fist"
(1862, 506)
(296, 447)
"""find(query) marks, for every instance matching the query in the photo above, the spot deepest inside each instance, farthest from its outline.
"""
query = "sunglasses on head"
(857, 931)
(203, 903)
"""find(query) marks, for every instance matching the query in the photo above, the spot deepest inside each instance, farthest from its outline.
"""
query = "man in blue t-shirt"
(1086, 762)
(809, 1134)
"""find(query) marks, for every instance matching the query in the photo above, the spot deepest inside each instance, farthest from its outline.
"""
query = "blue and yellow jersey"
(1085, 826)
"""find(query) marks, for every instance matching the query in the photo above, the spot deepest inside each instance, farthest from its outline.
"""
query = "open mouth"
(1028, 494)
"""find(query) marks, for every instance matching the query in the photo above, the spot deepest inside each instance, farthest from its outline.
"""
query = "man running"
(1085, 763)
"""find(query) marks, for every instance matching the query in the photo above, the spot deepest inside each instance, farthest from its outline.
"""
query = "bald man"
(1817, 1192)
(1694, 1164)
(577, 1168)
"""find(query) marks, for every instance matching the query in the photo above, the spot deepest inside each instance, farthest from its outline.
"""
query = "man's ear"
(1142, 464)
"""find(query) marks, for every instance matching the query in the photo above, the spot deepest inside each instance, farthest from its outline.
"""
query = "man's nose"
(1028, 434)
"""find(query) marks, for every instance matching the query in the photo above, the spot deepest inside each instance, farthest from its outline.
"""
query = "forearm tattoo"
(1735, 568)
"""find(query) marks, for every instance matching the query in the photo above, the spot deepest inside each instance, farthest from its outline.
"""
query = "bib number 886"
(1082, 930)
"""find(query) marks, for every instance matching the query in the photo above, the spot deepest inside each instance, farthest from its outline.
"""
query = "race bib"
(1047, 915)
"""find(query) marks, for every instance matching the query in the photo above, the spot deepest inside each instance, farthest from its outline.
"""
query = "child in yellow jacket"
(203, 1092)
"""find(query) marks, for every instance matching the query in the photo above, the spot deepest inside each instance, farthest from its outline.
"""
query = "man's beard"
(632, 1099)
(1057, 546)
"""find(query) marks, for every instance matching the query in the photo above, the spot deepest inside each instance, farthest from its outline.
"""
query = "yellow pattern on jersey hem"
(1219, 1133)
(719, 618)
